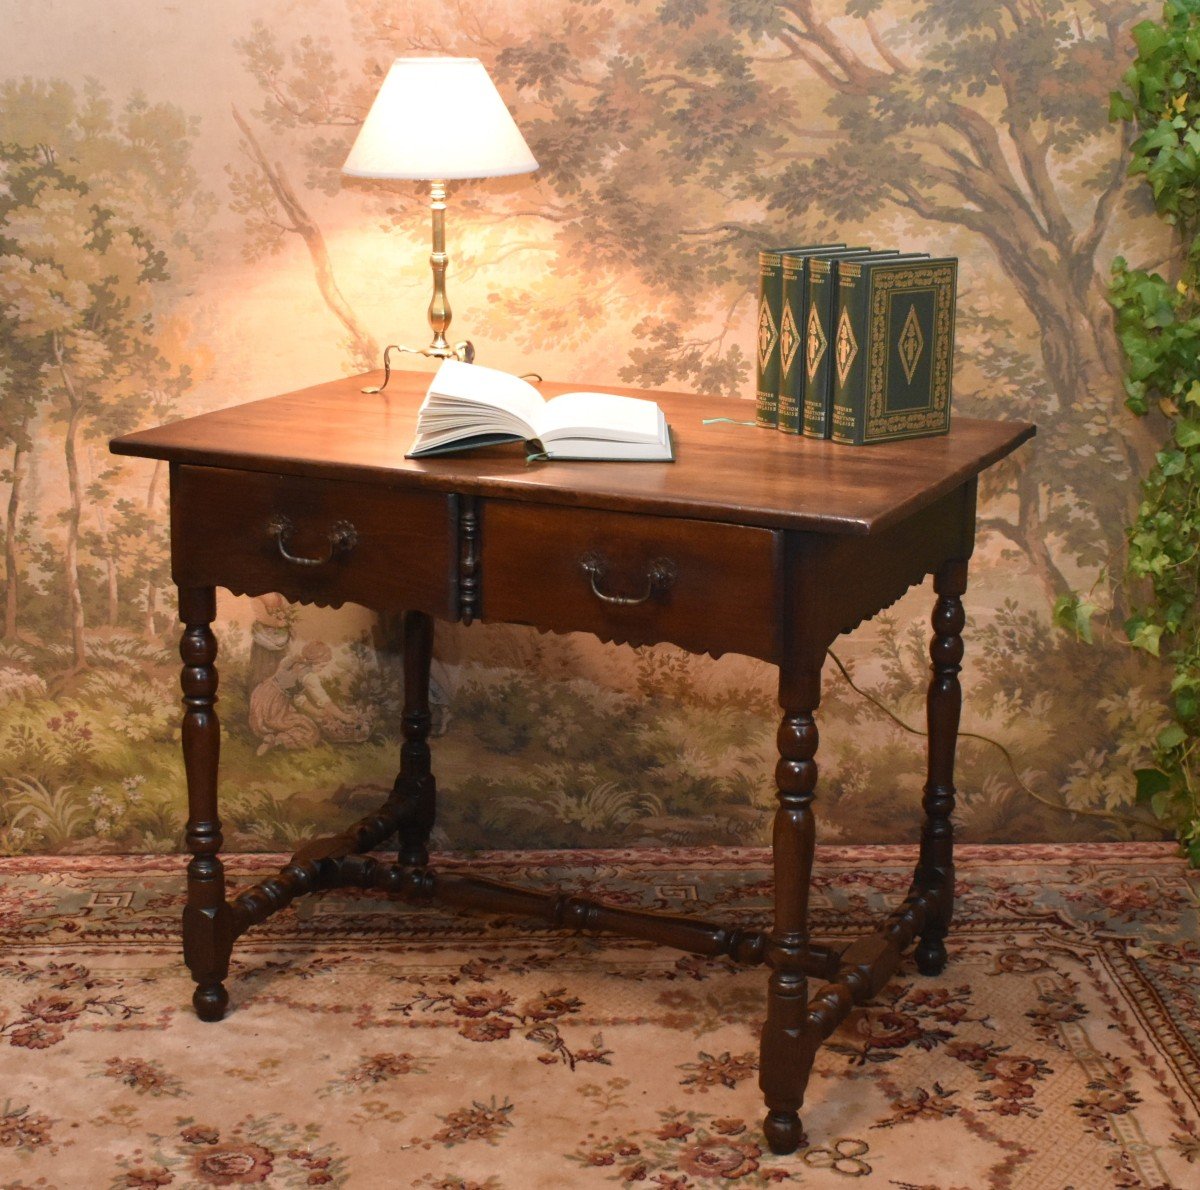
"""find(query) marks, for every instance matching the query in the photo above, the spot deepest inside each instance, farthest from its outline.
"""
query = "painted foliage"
(168, 245)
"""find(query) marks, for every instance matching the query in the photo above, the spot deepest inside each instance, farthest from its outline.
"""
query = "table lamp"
(436, 120)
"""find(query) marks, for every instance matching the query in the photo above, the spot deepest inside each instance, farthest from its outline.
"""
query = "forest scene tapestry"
(176, 236)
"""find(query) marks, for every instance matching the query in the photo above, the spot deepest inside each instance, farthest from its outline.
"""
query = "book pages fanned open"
(469, 406)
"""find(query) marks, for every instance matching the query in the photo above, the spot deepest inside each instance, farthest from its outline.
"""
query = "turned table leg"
(207, 920)
(935, 868)
(788, 1044)
(415, 790)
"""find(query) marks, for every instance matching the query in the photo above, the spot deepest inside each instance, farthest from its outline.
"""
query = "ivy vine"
(1158, 323)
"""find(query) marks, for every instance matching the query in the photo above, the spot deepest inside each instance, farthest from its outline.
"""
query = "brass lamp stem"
(439, 307)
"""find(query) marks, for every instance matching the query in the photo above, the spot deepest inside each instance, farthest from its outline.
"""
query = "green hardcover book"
(791, 332)
(893, 348)
(770, 319)
(770, 296)
(815, 378)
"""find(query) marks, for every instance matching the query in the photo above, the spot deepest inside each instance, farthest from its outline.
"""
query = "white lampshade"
(437, 119)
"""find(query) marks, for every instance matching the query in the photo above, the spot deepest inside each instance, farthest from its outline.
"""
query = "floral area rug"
(372, 1044)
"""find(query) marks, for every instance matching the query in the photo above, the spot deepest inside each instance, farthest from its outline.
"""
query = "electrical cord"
(1107, 815)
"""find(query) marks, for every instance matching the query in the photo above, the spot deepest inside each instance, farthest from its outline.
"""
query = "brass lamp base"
(464, 351)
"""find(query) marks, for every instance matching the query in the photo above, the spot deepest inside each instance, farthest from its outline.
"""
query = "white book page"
(599, 448)
(475, 388)
(598, 415)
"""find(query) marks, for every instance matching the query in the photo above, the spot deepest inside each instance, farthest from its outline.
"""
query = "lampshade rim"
(445, 176)
(433, 58)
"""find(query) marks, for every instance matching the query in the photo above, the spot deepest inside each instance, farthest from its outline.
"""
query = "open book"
(468, 405)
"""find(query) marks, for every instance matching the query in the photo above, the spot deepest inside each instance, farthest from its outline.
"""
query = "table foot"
(931, 956)
(783, 1131)
(210, 1001)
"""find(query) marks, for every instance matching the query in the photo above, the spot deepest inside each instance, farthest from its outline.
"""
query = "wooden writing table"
(752, 542)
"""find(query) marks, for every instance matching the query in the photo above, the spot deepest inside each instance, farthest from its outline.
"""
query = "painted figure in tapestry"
(292, 709)
(270, 635)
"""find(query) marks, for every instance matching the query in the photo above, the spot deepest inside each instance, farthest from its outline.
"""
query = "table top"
(732, 473)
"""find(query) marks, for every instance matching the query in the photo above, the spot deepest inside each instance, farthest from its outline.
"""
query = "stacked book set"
(854, 344)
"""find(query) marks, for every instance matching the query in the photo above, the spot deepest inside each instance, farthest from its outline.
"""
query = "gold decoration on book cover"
(817, 343)
(767, 332)
(789, 340)
(912, 343)
(845, 347)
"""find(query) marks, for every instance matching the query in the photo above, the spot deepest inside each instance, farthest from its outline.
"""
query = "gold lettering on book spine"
(845, 347)
(766, 332)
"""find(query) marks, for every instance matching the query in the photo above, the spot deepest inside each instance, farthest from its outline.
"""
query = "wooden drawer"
(706, 586)
(356, 542)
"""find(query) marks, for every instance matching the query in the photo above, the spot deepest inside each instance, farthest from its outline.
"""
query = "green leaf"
(1150, 37)
(1150, 782)
(1145, 636)
(1193, 853)
(1187, 432)
(1171, 736)
(1084, 612)
(1074, 615)
(1161, 136)
(1172, 462)
(1187, 704)
(1119, 107)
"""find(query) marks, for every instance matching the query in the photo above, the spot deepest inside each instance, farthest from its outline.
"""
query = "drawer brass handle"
(343, 537)
(658, 578)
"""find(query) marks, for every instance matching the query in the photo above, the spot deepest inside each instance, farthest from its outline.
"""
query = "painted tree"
(991, 119)
(961, 121)
(96, 203)
(262, 191)
(677, 137)
(18, 404)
